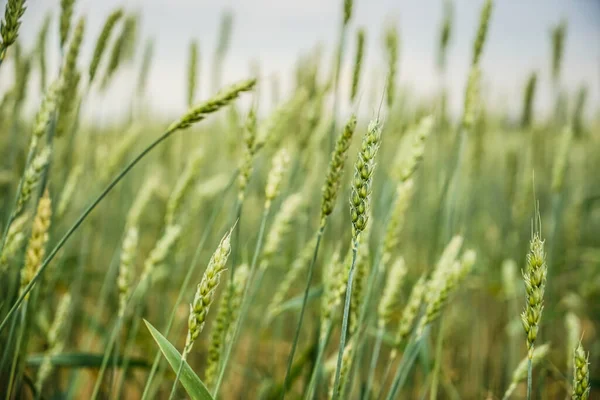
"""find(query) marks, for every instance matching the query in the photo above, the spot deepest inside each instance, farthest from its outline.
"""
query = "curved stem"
(302, 310)
(79, 221)
(336, 384)
(245, 302)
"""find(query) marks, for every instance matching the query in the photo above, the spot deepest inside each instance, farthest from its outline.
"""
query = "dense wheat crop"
(319, 244)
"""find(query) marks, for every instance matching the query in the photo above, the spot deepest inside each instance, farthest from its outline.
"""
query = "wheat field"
(325, 243)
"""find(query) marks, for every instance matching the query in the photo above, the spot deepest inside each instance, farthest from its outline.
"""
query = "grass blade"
(190, 381)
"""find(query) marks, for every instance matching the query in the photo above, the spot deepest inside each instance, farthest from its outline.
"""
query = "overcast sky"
(275, 32)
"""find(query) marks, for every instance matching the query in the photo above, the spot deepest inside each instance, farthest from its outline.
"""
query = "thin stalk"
(438, 362)
(255, 339)
(408, 359)
(107, 353)
(529, 378)
(374, 359)
(13, 214)
(5, 352)
(322, 345)
(302, 310)
(12, 378)
(344, 333)
(128, 344)
(245, 303)
(181, 363)
(386, 374)
(186, 281)
(80, 220)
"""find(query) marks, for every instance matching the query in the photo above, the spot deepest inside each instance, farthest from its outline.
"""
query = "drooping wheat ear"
(472, 98)
(43, 117)
(520, 373)
(205, 292)
(562, 157)
(226, 314)
(527, 117)
(360, 199)
(56, 339)
(41, 50)
(358, 60)
(220, 100)
(9, 27)
(348, 4)
(247, 160)
(32, 177)
(558, 44)
(391, 240)
(36, 248)
(297, 266)
(441, 286)
(389, 299)
(581, 374)
(159, 254)
(391, 47)
(14, 239)
(114, 158)
(282, 224)
(573, 327)
(280, 163)
(99, 50)
(121, 48)
(411, 310)
(69, 190)
(484, 21)
(345, 369)
(126, 267)
(409, 159)
(445, 33)
(66, 15)
(183, 185)
(192, 73)
(335, 170)
(535, 283)
(141, 200)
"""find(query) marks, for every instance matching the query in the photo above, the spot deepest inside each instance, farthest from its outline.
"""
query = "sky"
(275, 32)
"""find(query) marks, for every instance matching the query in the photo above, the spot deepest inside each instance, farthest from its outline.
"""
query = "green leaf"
(83, 360)
(190, 381)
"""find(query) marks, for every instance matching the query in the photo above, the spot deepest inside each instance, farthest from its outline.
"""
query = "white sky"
(275, 32)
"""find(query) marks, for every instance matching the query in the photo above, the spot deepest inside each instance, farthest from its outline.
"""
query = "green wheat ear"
(9, 27)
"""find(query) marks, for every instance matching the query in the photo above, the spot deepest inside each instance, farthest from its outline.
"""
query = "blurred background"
(276, 32)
